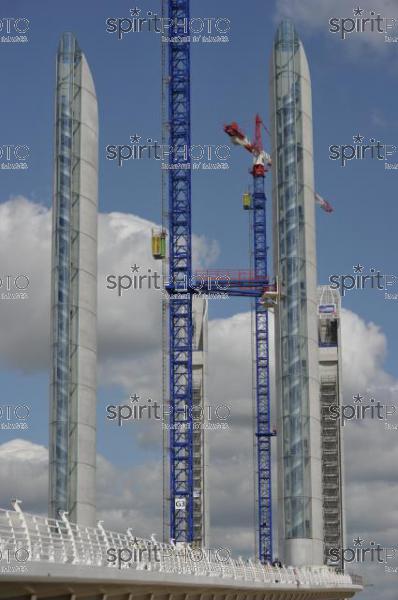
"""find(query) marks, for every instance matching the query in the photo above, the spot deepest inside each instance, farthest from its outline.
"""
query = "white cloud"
(130, 357)
(128, 325)
(314, 15)
(364, 351)
(24, 475)
(121, 503)
(25, 249)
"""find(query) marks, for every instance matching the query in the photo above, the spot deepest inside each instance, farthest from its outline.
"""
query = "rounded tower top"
(68, 44)
(287, 36)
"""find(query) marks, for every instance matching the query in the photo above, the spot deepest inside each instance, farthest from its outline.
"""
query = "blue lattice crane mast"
(180, 265)
(257, 203)
(265, 296)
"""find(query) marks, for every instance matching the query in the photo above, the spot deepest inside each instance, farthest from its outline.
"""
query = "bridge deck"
(58, 560)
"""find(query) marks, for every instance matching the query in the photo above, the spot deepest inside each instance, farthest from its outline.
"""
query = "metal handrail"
(41, 539)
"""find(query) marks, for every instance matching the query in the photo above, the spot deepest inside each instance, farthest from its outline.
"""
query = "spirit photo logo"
(364, 21)
(362, 553)
(126, 557)
(358, 281)
(201, 156)
(197, 27)
(14, 156)
(144, 552)
(19, 555)
(14, 287)
(152, 280)
(197, 555)
(148, 410)
(362, 409)
(13, 29)
(374, 150)
(14, 417)
(13, 560)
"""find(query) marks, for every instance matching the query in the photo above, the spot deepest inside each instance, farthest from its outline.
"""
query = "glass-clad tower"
(330, 381)
(297, 379)
(74, 289)
(199, 383)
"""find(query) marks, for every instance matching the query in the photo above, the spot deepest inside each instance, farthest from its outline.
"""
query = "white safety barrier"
(28, 538)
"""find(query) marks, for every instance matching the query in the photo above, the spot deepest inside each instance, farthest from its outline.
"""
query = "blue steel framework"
(180, 304)
(262, 295)
(257, 286)
(263, 433)
(180, 307)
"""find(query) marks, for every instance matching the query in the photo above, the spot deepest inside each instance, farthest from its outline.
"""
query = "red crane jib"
(233, 131)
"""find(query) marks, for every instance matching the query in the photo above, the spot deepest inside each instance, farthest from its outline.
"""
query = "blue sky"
(229, 82)
(354, 91)
(351, 94)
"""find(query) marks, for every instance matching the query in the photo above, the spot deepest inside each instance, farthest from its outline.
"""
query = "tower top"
(68, 44)
(287, 35)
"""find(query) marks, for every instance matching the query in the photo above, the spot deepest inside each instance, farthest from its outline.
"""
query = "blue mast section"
(180, 305)
(264, 297)
(256, 287)
(263, 432)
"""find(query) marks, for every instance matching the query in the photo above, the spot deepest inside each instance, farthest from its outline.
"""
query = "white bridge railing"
(26, 538)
